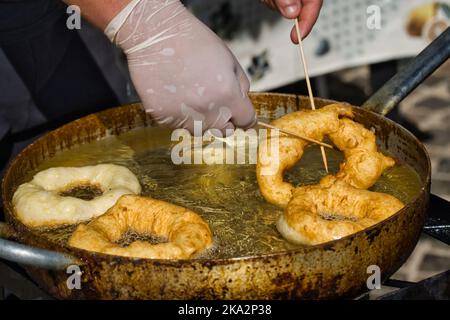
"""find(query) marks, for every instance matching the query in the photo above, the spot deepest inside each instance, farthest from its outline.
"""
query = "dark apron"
(56, 67)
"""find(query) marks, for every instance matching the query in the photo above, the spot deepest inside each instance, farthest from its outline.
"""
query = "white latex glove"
(181, 70)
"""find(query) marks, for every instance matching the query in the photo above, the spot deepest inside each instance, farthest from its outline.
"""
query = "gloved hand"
(306, 10)
(181, 70)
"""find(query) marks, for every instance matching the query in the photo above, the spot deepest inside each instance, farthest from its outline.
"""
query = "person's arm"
(306, 10)
(99, 12)
(183, 73)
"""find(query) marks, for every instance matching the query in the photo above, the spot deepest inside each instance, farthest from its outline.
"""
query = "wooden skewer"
(288, 132)
(308, 83)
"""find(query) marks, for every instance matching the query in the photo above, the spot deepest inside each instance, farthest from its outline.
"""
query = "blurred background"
(356, 46)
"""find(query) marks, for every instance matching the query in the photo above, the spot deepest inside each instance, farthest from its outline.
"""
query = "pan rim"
(80, 253)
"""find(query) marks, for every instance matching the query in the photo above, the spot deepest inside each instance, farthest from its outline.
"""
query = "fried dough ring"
(363, 164)
(331, 210)
(39, 203)
(187, 233)
(272, 163)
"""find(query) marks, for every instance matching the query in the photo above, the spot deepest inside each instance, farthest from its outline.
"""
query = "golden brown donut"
(186, 232)
(419, 17)
(363, 164)
(272, 163)
(331, 210)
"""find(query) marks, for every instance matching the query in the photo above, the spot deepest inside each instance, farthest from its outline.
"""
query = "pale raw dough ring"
(186, 232)
(38, 203)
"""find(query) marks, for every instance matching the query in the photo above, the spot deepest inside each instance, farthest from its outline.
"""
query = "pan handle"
(438, 220)
(35, 257)
(405, 81)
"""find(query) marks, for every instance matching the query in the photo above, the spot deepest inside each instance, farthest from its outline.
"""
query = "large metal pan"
(333, 270)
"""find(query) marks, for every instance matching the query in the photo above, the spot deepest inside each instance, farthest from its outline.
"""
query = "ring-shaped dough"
(186, 232)
(331, 210)
(39, 203)
(363, 164)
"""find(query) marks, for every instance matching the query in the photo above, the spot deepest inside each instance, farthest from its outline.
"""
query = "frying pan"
(333, 270)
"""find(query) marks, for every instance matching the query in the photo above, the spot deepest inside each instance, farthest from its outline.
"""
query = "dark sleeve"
(23, 19)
